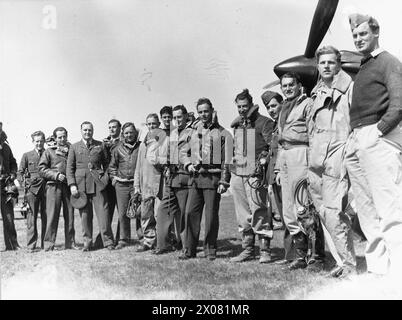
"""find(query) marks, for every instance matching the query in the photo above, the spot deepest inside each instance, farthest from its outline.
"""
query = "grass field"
(126, 274)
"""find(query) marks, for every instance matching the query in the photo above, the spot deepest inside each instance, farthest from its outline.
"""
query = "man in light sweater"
(373, 151)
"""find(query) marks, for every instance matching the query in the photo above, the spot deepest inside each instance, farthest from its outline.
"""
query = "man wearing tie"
(36, 198)
(86, 172)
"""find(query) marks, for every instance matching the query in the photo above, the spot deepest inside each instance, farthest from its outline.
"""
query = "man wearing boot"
(252, 135)
(291, 166)
(273, 102)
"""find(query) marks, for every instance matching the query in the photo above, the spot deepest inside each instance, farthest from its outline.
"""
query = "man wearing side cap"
(86, 172)
(373, 151)
(273, 102)
(52, 167)
(36, 195)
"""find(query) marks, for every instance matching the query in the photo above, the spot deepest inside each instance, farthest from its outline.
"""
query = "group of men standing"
(345, 140)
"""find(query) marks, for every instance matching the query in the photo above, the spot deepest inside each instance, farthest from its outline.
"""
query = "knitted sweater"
(377, 93)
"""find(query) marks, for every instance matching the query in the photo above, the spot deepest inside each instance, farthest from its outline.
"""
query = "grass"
(126, 274)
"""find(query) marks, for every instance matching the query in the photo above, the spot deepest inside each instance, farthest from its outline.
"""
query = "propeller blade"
(304, 67)
(322, 19)
(271, 84)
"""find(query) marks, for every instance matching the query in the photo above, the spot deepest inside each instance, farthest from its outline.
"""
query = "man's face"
(166, 119)
(273, 108)
(87, 132)
(290, 88)
(365, 40)
(327, 66)
(129, 134)
(152, 123)
(243, 106)
(61, 138)
(205, 113)
(114, 129)
(179, 118)
(38, 142)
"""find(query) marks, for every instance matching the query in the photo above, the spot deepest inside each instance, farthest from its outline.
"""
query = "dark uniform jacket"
(30, 161)
(179, 176)
(79, 162)
(8, 164)
(124, 160)
(52, 163)
(250, 148)
(199, 151)
(109, 144)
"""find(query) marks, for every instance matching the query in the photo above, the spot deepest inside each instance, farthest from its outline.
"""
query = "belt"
(290, 145)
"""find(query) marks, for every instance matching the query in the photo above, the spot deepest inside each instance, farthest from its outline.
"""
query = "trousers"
(171, 215)
(98, 201)
(37, 204)
(251, 206)
(199, 200)
(374, 165)
(56, 196)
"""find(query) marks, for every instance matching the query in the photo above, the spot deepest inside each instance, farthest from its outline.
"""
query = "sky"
(66, 61)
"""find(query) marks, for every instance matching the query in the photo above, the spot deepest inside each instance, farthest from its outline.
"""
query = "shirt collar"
(86, 142)
(376, 52)
(373, 54)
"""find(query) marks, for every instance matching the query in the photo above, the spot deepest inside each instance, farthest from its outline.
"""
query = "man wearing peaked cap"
(373, 151)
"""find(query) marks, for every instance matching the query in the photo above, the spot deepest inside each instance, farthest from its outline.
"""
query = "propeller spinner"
(305, 65)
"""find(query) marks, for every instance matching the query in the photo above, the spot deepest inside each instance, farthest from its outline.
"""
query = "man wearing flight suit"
(292, 166)
(209, 168)
(148, 181)
(273, 102)
(252, 135)
(36, 196)
(329, 128)
(52, 167)
(87, 172)
(8, 170)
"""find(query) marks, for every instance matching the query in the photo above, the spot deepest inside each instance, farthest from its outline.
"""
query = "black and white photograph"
(201, 150)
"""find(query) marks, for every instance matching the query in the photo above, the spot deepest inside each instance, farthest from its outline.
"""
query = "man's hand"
(278, 178)
(17, 183)
(74, 190)
(191, 168)
(222, 189)
(61, 177)
(380, 134)
(263, 161)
